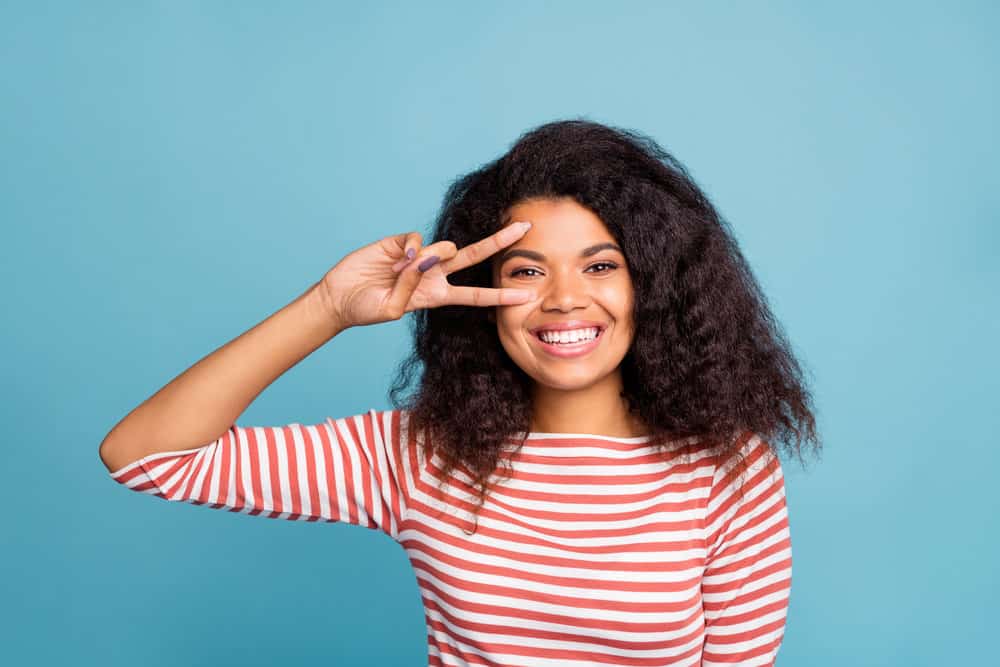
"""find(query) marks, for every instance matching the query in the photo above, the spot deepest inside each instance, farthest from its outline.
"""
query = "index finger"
(480, 250)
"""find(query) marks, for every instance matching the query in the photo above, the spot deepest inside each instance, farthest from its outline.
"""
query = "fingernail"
(525, 225)
(428, 263)
(411, 253)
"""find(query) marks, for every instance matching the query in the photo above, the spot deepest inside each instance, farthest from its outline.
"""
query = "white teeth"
(569, 337)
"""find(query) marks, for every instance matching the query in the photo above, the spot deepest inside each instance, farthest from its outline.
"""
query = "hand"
(377, 283)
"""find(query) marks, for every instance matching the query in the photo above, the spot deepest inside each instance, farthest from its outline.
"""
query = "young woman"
(587, 472)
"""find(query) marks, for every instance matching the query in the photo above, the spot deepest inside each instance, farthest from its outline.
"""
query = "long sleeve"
(747, 579)
(350, 470)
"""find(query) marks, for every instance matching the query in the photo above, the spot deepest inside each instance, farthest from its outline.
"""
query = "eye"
(602, 267)
(609, 264)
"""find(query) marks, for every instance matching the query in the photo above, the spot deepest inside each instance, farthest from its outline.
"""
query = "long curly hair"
(709, 363)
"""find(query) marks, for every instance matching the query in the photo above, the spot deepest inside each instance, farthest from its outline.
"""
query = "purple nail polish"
(428, 263)
(411, 253)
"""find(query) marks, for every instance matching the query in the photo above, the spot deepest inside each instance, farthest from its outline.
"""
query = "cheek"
(618, 299)
(509, 322)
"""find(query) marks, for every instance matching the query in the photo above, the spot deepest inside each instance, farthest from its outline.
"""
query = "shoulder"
(748, 458)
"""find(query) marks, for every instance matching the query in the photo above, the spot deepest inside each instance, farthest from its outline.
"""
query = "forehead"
(560, 222)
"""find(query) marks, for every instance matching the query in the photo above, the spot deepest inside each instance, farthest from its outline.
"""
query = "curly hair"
(709, 362)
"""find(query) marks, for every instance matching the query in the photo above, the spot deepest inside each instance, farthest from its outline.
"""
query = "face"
(575, 267)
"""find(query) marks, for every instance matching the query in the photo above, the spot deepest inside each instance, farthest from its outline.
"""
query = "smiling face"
(575, 267)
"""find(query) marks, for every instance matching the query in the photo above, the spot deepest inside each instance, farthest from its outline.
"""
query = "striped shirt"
(589, 550)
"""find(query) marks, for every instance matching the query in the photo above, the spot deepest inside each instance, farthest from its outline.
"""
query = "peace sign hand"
(377, 283)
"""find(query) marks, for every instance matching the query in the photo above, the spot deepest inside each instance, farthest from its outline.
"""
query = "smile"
(569, 335)
(575, 343)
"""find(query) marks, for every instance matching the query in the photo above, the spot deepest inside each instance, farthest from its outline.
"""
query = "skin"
(569, 395)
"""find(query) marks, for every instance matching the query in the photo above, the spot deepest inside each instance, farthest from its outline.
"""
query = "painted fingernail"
(428, 263)
(411, 253)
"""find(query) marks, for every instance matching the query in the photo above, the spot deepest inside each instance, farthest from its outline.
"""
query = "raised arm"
(377, 283)
(200, 404)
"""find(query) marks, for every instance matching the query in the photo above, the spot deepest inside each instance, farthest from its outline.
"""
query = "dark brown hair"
(708, 362)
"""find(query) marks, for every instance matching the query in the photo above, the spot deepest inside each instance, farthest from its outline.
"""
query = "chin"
(568, 381)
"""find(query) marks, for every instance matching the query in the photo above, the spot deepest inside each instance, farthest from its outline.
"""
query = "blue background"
(172, 173)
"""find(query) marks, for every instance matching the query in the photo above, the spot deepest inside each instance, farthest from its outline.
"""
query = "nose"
(565, 291)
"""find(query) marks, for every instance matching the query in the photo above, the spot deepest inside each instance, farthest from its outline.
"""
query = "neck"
(598, 409)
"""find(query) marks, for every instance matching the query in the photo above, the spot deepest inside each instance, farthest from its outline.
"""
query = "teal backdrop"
(174, 172)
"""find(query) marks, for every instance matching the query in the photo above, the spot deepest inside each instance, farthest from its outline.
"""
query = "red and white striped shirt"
(596, 551)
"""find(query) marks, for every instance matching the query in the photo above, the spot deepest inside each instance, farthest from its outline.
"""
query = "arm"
(377, 283)
(747, 578)
(182, 443)
(200, 404)
(331, 470)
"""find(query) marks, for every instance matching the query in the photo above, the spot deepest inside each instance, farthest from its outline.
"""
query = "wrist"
(323, 309)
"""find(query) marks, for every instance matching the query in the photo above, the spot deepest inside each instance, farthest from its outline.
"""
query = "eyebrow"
(539, 257)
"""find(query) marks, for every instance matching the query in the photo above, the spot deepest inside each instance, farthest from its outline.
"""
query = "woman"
(585, 473)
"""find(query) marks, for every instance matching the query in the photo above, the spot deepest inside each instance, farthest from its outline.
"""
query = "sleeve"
(747, 579)
(349, 470)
